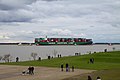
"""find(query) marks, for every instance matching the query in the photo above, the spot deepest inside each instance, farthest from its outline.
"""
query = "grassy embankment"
(107, 64)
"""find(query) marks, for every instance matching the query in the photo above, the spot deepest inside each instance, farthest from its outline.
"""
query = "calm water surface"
(24, 52)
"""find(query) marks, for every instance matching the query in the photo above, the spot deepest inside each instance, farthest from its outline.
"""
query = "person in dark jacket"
(89, 78)
(32, 70)
(98, 78)
(29, 70)
(17, 59)
(72, 68)
(62, 67)
(67, 67)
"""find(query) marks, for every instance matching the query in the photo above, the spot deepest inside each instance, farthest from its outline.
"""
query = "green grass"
(112, 74)
(108, 60)
(107, 64)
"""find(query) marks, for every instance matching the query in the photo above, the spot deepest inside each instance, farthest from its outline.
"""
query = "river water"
(24, 51)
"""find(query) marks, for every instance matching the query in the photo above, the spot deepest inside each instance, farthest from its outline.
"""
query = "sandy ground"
(8, 72)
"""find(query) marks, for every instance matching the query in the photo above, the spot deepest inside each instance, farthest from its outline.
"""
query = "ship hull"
(64, 43)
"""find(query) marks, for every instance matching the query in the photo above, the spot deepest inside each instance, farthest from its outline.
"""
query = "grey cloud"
(16, 16)
(116, 25)
(8, 24)
(5, 7)
(22, 36)
(55, 9)
(51, 0)
(14, 4)
(15, 11)
(1, 28)
(58, 10)
(68, 8)
(30, 35)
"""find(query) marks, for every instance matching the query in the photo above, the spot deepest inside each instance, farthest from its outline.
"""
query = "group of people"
(59, 55)
(67, 68)
(89, 78)
(29, 71)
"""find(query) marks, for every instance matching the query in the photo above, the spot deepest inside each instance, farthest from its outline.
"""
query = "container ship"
(63, 41)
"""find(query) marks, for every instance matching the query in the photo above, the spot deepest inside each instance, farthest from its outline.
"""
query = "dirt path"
(8, 72)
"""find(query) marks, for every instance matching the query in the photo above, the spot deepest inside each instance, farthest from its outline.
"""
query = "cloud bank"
(26, 19)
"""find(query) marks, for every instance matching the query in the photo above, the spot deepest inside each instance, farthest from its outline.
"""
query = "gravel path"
(8, 72)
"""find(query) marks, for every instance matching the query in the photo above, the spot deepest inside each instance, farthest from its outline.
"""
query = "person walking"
(72, 68)
(32, 70)
(60, 56)
(39, 59)
(98, 78)
(17, 59)
(29, 70)
(62, 67)
(67, 67)
(89, 78)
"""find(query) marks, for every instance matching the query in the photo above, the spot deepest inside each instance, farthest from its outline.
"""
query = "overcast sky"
(24, 20)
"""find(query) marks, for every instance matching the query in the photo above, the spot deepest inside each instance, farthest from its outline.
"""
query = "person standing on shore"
(67, 67)
(17, 59)
(72, 68)
(98, 78)
(39, 59)
(60, 56)
(29, 70)
(32, 70)
(62, 67)
(89, 78)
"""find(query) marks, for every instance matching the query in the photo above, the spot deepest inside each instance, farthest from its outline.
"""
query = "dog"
(25, 72)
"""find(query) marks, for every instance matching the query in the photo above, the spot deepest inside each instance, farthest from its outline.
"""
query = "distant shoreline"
(17, 43)
(34, 43)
